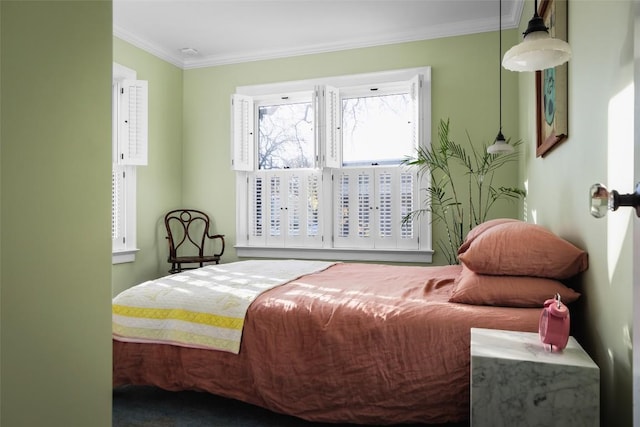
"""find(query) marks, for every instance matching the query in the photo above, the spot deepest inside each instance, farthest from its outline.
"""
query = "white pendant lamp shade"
(538, 51)
(500, 146)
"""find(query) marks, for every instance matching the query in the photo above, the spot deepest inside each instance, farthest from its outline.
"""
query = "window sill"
(124, 255)
(339, 254)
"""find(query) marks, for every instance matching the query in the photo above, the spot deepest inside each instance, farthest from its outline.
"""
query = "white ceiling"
(232, 31)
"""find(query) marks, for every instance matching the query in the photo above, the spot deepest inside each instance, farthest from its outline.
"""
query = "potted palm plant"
(450, 166)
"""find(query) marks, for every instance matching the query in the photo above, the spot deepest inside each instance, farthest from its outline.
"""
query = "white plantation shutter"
(353, 199)
(284, 208)
(275, 202)
(405, 199)
(256, 235)
(243, 149)
(369, 206)
(408, 202)
(132, 122)
(342, 207)
(294, 206)
(384, 210)
(415, 91)
(117, 207)
(313, 206)
(331, 137)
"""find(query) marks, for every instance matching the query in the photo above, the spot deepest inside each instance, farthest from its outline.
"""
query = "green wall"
(464, 89)
(159, 184)
(55, 291)
(599, 149)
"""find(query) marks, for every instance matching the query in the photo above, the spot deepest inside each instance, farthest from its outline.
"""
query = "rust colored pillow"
(508, 291)
(522, 249)
(479, 229)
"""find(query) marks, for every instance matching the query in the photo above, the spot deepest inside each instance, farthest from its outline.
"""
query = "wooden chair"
(187, 233)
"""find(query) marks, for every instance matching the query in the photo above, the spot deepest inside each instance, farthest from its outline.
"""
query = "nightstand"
(515, 381)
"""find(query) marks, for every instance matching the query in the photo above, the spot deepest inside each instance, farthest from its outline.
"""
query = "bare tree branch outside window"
(285, 137)
(376, 129)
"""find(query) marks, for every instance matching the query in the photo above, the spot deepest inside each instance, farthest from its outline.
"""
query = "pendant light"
(538, 50)
(500, 145)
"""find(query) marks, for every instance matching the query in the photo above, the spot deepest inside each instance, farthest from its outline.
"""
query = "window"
(375, 128)
(322, 176)
(129, 150)
(285, 133)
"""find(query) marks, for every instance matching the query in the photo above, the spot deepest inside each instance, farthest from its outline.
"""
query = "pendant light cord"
(500, 61)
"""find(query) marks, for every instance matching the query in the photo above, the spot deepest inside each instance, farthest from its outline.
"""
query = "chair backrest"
(186, 231)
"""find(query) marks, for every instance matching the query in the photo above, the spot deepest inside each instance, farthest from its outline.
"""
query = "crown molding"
(148, 47)
(433, 32)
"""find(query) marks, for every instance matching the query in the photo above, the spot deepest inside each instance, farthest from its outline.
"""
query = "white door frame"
(636, 223)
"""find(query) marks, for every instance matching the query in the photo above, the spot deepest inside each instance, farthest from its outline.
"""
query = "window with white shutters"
(319, 167)
(129, 150)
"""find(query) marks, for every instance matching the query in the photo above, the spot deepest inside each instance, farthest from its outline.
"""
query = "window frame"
(355, 83)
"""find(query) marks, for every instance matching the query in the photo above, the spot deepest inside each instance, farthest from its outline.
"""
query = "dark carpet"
(141, 406)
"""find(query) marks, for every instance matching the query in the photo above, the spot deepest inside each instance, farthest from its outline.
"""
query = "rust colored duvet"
(356, 343)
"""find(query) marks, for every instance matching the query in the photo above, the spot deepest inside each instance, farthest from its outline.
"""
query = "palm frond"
(457, 210)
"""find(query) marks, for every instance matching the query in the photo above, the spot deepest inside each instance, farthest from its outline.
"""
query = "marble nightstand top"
(525, 346)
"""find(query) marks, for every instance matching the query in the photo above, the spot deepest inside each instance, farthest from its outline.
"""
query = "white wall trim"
(377, 255)
(122, 256)
(341, 81)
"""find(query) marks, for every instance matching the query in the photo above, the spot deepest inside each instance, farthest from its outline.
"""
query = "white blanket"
(203, 308)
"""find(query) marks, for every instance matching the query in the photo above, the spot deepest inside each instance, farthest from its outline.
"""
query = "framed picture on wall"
(551, 84)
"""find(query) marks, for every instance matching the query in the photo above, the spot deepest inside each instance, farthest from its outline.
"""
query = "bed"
(353, 342)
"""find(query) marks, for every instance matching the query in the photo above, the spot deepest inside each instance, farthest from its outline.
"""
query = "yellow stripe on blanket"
(176, 337)
(180, 314)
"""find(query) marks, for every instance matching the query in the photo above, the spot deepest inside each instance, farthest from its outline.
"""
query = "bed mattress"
(355, 343)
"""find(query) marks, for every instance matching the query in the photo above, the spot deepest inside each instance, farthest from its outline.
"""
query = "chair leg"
(175, 268)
